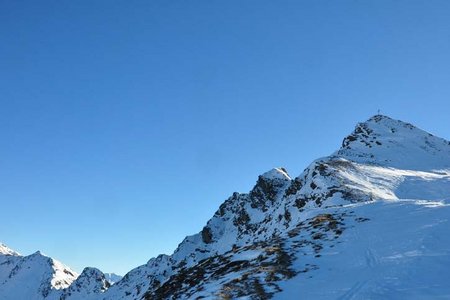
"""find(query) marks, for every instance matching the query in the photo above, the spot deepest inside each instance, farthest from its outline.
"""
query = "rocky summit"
(370, 221)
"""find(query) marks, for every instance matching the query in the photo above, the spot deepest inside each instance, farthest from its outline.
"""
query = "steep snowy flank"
(376, 210)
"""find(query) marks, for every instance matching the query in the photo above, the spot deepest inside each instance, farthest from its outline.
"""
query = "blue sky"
(125, 124)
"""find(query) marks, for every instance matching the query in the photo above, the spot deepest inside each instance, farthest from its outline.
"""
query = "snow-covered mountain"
(375, 211)
(89, 285)
(35, 276)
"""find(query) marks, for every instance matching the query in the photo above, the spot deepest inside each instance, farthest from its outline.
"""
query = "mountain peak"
(276, 174)
(366, 133)
(37, 253)
(91, 271)
(385, 141)
(269, 184)
(91, 282)
(379, 118)
(385, 121)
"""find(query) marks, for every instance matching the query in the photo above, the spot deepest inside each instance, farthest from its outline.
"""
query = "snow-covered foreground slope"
(369, 221)
(402, 251)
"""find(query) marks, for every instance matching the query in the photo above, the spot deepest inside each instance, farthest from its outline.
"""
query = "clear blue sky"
(125, 124)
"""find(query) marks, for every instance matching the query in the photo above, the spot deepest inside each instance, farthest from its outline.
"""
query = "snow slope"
(376, 210)
(402, 252)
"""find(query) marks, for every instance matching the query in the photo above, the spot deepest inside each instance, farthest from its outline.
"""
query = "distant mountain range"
(370, 221)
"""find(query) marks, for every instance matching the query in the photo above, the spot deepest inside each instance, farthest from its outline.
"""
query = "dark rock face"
(206, 235)
(294, 187)
(362, 134)
(266, 190)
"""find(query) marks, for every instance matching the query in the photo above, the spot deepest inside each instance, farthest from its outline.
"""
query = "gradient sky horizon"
(125, 124)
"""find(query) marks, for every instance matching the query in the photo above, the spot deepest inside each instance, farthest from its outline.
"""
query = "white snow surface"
(384, 195)
(403, 252)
